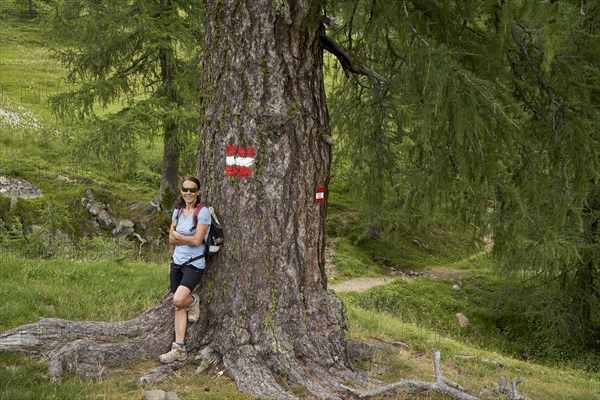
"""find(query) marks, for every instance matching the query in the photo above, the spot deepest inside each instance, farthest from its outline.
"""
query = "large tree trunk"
(268, 309)
(265, 308)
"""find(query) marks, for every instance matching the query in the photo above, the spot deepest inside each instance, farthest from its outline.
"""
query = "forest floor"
(362, 284)
(365, 283)
(359, 284)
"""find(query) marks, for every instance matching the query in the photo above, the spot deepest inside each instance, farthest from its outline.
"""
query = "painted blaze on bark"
(265, 294)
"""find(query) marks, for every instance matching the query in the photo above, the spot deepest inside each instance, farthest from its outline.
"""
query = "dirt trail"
(359, 284)
(366, 283)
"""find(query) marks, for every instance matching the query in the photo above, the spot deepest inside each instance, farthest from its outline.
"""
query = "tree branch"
(441, 385)
(504, 389)
(349, 62)
(555, 104)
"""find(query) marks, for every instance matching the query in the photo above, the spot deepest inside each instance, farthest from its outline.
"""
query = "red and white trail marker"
(320, 195)
(239, 161)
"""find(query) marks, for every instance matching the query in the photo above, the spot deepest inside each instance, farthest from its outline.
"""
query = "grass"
(37, 385)
(403, 244)
(99, 290)
(433, 303)
(95, 279)
(396, 249)
(471, 288)
(116, 290)
(29, 74)
(416, 361)
(103, 290)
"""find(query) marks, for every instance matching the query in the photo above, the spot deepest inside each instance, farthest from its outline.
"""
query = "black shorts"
(186, 275)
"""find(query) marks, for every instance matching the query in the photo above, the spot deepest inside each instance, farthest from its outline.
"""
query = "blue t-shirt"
(183, 252)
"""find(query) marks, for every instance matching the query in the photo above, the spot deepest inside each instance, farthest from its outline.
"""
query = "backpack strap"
(192, 259)
(196, 212)
(188, 262)
(195, 219)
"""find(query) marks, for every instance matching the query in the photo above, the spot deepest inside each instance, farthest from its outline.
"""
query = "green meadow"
(111, 280)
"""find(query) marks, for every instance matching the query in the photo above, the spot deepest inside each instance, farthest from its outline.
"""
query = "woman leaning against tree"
(188, 262)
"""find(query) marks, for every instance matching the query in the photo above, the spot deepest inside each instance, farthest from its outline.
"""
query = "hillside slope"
(410, 315)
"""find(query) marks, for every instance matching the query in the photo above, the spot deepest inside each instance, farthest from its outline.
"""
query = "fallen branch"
(504, 389)
(440, 385)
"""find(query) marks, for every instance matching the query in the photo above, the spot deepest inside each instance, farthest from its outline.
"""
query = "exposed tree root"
(441, 385)
(93, 360)
(252, 376)
(91, 349)
(262, 378)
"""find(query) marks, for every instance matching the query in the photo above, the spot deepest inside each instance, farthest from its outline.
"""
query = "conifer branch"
(412, 27)
(555, 104)
(349, 62)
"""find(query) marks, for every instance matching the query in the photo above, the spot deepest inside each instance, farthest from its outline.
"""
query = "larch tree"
(485, 105)
(265, 158)
(265, 164)
(141, 59)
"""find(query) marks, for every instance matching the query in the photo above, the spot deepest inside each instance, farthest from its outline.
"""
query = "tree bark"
(169, 177)
(267, 308)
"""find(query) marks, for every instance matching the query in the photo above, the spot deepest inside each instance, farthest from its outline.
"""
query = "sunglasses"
(186, 189)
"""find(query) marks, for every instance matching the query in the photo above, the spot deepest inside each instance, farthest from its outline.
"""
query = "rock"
(18, 188)
(160, 395)
(67, 179)
(155, 395)
(93, 208)
(90, 203)
(146, 207)
(158, 239)
(31, 229)
(455, 287)
(105, 220)
(145, 212)
(124, 228)
(462, 320)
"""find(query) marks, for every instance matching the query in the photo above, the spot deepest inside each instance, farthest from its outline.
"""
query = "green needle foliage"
(481, 114)
(491, 111)
(134, 69)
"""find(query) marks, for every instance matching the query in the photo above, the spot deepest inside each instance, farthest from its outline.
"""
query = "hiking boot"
(177, 353)
(193, 311)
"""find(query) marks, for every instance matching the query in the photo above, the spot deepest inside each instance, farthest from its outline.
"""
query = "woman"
(187, 264)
